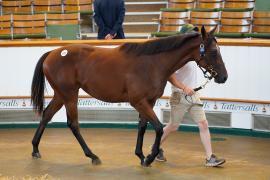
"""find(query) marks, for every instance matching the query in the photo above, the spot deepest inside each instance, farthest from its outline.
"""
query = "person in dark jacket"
(109, 16)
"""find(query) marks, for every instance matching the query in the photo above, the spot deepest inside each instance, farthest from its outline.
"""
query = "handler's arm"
(97, 16)
(120, 19)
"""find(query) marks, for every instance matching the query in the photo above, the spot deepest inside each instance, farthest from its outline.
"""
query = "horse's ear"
(196, 29)
(203, 32)
(213, 31)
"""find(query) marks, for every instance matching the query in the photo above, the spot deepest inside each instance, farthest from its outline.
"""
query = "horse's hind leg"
(47, 115)
(141, 130)
(72, 121)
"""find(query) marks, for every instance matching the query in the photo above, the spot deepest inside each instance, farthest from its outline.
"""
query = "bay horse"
(133, 72)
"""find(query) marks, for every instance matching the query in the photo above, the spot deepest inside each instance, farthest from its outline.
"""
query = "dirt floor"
(62, 158)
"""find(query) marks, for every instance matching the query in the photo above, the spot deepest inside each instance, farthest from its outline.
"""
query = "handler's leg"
(178, 110)
(211, 159)
(198, 115)
(169, 128)
(205, 137)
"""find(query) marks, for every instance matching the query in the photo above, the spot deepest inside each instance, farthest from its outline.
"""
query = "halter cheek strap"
(202, 54)
(209, 69)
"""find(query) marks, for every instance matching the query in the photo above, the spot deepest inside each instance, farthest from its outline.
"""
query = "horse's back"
(90, 68)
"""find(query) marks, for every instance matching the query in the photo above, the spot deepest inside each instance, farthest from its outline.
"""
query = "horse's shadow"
(108, 170)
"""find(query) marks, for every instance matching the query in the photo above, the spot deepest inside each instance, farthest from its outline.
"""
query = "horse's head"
(210, 57)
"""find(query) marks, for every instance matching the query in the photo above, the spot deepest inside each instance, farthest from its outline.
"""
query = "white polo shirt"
(187, 75)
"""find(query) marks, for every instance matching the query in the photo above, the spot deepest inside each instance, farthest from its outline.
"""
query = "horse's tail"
(38, 85)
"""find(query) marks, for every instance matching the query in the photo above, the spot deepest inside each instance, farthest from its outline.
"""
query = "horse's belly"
(108, 94)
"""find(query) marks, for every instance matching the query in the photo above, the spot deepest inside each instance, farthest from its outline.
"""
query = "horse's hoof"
(146, 163)
(36, 155)
(96, 161)
(142, 162)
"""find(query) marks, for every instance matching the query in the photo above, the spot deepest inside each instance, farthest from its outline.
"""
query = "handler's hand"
(108, 37)
(188, 91)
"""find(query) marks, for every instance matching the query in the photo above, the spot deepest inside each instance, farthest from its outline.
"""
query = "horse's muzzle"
(221, 79)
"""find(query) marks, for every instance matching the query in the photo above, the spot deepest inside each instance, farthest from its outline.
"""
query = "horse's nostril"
(221, 79)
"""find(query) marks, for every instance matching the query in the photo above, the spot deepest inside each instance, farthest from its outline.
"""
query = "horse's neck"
(177, 58)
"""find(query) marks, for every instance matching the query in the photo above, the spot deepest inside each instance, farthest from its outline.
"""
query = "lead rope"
(189, 99)
(208, 79)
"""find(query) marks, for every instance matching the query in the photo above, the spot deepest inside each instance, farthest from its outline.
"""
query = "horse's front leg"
(146, 110)
(141, 130)
(156, 146)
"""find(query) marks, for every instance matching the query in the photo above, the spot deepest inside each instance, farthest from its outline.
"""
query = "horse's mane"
(157, 45)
